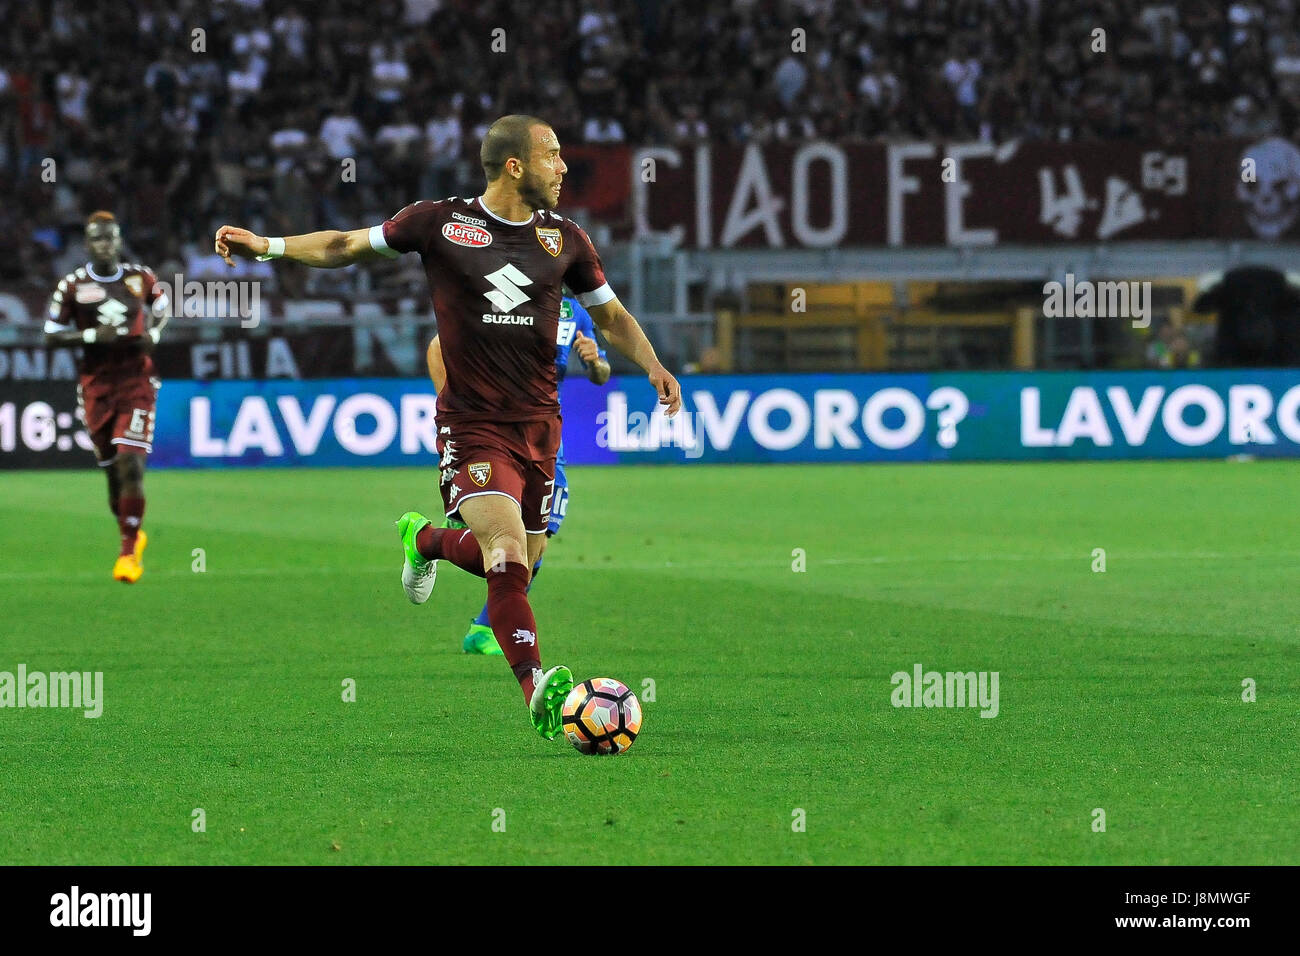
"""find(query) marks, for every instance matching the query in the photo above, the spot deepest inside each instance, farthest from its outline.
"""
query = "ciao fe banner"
(789, 418)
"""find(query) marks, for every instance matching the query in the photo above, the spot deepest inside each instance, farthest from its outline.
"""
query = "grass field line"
(297, 570)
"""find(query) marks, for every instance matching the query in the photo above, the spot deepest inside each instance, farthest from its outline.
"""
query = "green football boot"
(546, 707)
(418, 574)
(481, 640)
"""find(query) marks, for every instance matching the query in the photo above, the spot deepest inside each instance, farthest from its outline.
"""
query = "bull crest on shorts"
(550, 239)
(136, 285)
(480, 472)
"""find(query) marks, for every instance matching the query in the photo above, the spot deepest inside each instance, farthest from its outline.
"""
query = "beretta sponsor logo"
(463, 234)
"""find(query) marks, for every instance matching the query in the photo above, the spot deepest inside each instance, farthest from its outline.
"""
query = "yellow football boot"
(128, 567)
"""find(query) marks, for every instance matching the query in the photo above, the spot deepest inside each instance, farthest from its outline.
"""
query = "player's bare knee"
(503, 548)
(130, 471)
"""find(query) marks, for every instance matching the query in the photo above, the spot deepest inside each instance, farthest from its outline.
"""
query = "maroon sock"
(450, 544)
(130, 510)
(513, 624)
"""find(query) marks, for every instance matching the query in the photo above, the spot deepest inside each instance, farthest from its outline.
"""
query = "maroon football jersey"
(84, 300)
(496, 289)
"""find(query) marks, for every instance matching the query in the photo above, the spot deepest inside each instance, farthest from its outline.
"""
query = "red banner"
(824, 195)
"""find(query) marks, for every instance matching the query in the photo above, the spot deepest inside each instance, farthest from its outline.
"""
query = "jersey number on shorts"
(546, 502)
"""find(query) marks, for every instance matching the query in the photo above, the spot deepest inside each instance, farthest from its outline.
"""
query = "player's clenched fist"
(233, 241)
(668, 389)
(587, 348)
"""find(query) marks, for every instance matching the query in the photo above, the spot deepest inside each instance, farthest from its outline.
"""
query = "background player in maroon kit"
(495, 265)
(117, 311)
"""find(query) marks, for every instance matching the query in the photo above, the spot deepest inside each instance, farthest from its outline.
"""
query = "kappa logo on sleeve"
(481, 472)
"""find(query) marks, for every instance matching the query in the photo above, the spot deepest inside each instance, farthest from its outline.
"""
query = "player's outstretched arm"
(437, 370)
(625, 334)
(329, 249)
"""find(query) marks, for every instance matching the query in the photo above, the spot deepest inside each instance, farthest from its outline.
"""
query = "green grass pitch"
(223, 689)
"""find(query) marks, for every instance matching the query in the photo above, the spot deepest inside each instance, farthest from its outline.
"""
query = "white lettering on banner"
(1248, 407)
(305, 434)
(832, 418)
(1288, 414)
(1084, 417)
(901, 184)
(873, 421)
(955, 193)
(256, 427)
(419, 425)
(345, 424)
(641, 196)
(801, 196)
(741, 217)
(1135, 424)
(761, 427)
(781, 419)
(720, 428)
(834, 410)
(952, 406)
(618, 430)
(202, 444)
(1175, 423)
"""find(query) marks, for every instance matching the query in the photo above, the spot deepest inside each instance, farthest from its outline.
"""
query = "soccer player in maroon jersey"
(495, 265)
(116, 311)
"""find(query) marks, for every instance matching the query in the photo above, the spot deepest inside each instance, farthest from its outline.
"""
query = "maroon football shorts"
(118, 413)
(515, 459)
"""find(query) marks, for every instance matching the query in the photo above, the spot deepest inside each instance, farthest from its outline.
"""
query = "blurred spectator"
(1171, 349)
(281, 93)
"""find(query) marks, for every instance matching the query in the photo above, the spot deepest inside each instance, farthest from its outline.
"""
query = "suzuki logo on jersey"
(112, 312)
(551, 239)
(507, 296)
(464, 234)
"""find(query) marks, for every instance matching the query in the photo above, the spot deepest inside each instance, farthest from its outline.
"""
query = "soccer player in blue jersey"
(575, 332)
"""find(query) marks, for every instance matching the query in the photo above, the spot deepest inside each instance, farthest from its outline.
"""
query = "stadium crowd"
(180, 114)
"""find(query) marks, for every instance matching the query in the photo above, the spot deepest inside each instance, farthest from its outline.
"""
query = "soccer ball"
(601, 716)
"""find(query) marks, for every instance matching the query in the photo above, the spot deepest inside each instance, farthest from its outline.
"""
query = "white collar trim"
(509, 222)
(113, 278)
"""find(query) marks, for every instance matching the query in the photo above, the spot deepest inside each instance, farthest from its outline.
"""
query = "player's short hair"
(104, 219)
(509, 137)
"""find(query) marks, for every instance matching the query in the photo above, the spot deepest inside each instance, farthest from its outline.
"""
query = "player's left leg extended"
(128, 467)
(479, 639)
